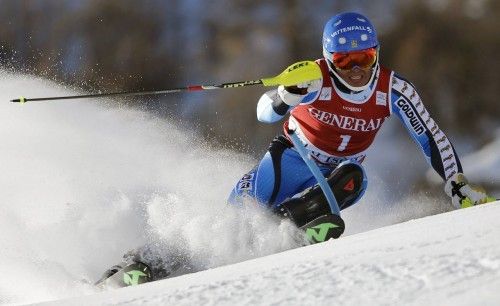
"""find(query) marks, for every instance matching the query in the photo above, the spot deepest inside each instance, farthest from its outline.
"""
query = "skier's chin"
(357, 78)
(357, 82)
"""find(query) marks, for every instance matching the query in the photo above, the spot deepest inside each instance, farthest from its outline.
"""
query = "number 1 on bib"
(345, 141)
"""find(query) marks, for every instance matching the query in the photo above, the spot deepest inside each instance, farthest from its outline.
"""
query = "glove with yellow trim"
(463, 194)
(293, 95)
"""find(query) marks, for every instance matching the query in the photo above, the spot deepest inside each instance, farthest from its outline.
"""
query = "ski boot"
(127, 273)
(310, 210)
(148, 263)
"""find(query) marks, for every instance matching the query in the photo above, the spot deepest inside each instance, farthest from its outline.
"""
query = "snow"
(486, 163)
(82, 182)
(447, 259)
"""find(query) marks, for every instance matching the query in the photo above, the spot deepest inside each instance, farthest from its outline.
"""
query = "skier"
(336, 118)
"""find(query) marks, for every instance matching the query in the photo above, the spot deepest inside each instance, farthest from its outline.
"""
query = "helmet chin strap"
(352, 88)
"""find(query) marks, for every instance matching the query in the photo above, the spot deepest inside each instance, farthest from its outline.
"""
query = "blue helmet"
(349, 32)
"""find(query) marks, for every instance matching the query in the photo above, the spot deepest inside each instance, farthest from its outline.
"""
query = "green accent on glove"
(490, 199)
(466, 202)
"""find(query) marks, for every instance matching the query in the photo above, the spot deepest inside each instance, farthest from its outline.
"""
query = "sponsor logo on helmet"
(411, 115)
(346, 122)
(352, 28)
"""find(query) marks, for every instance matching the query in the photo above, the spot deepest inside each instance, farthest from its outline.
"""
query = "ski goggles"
(363, 59)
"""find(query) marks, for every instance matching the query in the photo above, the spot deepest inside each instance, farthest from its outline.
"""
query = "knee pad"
(348, 182)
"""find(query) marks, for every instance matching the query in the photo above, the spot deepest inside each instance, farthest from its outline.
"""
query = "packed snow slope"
(447, 259)
(84, 181)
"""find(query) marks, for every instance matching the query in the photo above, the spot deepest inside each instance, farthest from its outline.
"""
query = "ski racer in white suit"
(337, 118)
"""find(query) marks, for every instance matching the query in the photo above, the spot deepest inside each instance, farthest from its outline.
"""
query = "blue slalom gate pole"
(323, 184)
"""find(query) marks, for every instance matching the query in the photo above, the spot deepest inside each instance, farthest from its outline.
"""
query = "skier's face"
(355, 67)
(356, 77)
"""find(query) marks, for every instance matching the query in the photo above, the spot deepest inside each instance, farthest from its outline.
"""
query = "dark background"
(448, 49)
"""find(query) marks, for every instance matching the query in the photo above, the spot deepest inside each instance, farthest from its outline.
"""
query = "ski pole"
(323, 184)
(294, 74)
